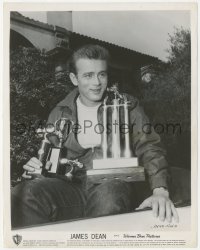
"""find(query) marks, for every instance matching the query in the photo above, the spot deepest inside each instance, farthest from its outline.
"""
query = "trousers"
(45, 200)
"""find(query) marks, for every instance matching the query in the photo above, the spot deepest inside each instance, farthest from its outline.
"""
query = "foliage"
(167, 97)
(34, 91)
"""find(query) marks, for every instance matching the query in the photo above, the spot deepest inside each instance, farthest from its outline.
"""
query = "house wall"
(40, 38)
(125, 64)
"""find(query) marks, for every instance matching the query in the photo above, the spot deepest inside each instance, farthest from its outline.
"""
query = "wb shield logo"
(17, 239)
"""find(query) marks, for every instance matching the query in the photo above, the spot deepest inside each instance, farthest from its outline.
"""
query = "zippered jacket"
(145, 142)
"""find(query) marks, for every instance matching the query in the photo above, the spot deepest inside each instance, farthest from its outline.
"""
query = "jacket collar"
(70, 99)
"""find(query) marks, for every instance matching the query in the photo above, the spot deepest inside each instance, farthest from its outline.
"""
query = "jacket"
(145, 142)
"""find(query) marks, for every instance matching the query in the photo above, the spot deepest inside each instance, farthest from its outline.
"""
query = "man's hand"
(32, 165)
(161, 205)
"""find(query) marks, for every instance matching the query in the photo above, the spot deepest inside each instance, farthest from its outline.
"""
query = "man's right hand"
(32, 165)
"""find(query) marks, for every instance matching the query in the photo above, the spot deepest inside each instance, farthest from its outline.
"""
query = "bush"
(33, 93)
(167, 97)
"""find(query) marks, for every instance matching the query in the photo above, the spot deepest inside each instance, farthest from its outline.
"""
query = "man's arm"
(148, 148)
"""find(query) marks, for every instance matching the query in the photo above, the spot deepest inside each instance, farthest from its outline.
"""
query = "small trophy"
(48, 152)
(120, 164)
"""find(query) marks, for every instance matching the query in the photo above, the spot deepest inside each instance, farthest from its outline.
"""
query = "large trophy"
(119, 163)
(54, 152)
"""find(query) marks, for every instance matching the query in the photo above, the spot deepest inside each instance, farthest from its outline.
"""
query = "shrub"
(167, 97)
(34, 91)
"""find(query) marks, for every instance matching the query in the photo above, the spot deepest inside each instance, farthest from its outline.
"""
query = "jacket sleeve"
(147, 147)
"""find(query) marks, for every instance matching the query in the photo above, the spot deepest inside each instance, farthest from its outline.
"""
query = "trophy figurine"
(49, 152)
(119, 164)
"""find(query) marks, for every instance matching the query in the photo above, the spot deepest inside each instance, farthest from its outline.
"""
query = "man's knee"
(29, 201)
(45, 199)
(30, 189)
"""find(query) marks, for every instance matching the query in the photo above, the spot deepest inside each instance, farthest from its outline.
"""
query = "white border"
(92, 7)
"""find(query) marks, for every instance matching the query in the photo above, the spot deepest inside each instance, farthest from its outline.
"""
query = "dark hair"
(90, 51)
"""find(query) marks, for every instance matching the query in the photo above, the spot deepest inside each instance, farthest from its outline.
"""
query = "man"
(42, 200)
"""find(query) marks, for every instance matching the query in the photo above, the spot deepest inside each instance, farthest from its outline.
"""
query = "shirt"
(88, 135)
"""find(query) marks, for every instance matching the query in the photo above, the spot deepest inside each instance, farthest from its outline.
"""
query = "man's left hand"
(161, 205)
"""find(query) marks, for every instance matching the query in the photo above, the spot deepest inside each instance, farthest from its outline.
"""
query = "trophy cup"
(120, 164)
(49, 152)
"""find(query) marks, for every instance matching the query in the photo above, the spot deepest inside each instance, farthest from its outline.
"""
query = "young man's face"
(91, 79)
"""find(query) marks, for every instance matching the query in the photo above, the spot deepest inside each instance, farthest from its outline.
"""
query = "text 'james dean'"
(87, 236)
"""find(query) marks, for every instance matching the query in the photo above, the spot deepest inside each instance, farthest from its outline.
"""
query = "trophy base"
(130, 174)
(115, 163)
